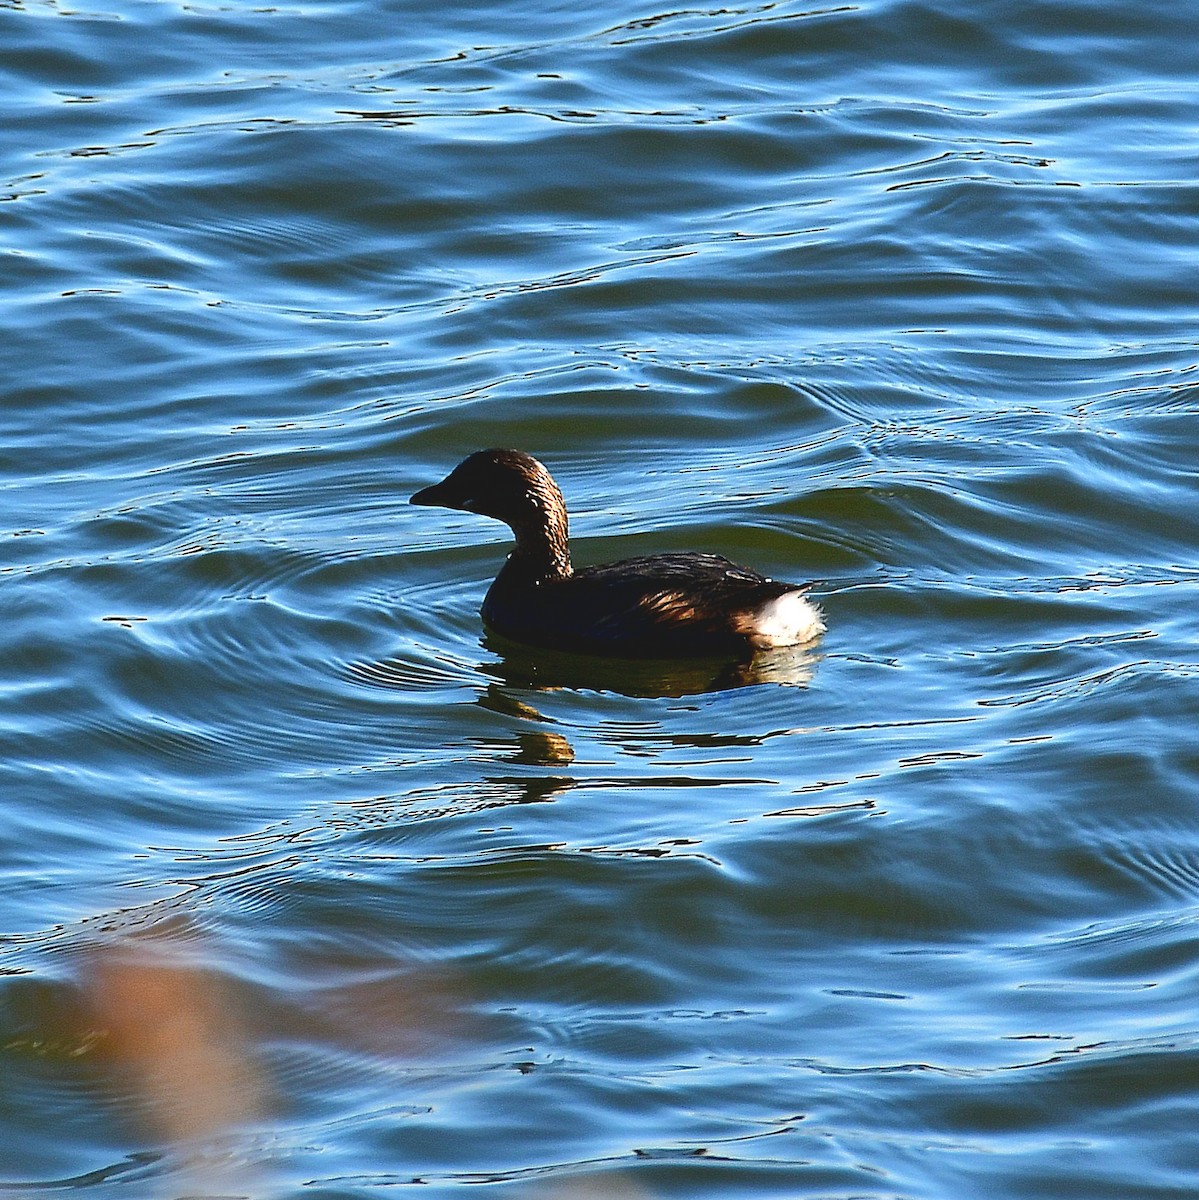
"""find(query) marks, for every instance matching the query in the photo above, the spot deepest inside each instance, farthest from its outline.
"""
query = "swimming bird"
(684, 605)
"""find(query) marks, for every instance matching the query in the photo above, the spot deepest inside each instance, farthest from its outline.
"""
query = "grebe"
(661, 606)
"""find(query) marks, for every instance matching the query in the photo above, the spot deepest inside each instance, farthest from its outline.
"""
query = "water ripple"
(908, 324)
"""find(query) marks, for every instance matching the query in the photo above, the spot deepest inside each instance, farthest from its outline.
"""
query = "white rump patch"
(787, 620)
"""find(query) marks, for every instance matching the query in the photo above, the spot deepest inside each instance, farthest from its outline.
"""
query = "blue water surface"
(311, 889)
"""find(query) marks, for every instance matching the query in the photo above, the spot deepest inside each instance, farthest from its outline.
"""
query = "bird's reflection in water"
(542, 748)
(533, 667)
(530, 747)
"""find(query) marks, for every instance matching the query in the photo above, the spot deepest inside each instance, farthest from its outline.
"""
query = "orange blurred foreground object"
(170, 1027)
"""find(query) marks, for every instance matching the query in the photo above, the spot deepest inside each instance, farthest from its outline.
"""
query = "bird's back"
(664, 605)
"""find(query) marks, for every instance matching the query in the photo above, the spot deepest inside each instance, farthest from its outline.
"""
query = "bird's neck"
(542, 548)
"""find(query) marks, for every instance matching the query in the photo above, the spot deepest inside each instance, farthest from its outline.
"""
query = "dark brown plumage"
(660, 606)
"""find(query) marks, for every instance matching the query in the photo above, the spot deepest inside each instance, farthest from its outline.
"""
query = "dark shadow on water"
(533, 667)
